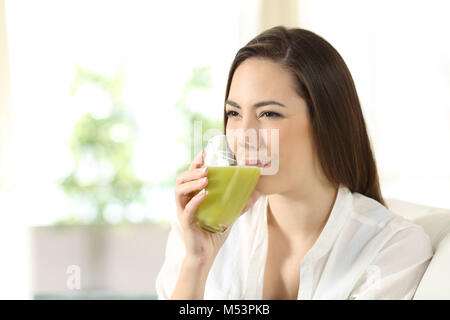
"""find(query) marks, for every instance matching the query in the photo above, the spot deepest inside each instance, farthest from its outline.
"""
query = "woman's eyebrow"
(256, 105)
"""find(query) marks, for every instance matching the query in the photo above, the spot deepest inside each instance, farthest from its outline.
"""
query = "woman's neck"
(301, 213)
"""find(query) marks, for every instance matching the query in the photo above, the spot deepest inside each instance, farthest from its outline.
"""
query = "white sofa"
(435, 283)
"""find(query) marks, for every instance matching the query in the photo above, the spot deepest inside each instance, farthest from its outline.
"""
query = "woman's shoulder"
(369, 211)
(391, 226)
(393, 251)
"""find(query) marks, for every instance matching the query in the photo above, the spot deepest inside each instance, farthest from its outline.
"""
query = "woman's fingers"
(190, 181)
(190, 175)
(191, 207)
(183, 190)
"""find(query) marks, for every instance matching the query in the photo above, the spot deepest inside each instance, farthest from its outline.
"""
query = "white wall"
(399, 55)
(15, 277)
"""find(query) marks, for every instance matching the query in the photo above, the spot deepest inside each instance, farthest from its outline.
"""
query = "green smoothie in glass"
(229, 187)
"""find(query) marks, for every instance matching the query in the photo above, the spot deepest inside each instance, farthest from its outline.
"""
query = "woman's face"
(258, 80)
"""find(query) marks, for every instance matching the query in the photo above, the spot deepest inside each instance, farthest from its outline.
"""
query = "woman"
(319, 227)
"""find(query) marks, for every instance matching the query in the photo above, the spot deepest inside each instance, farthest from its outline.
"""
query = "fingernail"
(205, 169)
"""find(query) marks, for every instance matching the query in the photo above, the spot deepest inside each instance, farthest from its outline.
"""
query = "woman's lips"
(257, 164)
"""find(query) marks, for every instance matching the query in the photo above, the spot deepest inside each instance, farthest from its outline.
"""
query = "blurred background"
(97, 105)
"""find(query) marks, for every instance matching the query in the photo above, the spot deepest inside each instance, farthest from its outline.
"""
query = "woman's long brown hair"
(325, 83)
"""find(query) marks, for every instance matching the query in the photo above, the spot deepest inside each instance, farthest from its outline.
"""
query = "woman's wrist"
(192, 279)
(200, 264)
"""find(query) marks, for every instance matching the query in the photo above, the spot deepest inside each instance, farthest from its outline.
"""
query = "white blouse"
(364, 251)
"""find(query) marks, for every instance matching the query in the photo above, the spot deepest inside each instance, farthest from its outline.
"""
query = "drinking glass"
(229, 186)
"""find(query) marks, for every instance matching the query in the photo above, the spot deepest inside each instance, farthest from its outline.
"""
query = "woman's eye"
(270, 114)
(232, 114)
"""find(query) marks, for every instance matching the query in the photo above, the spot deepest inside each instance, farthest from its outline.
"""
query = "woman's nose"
(248, 136)
(249, 124)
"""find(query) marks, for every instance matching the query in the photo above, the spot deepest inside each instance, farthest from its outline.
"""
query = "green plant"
(103, 146)
(94, 142)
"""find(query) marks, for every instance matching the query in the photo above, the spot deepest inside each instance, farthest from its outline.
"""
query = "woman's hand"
(201, 246)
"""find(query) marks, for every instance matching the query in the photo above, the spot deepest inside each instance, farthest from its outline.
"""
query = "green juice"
(229, 189)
